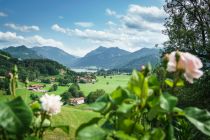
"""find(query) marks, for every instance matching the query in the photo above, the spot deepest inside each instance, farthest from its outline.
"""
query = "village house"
(85, 79)
(77, 101)
(37, 88)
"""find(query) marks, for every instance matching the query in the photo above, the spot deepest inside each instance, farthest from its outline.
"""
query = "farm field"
(74, 116)
(108, 84)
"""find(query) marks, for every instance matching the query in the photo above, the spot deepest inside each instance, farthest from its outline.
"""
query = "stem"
(40, 127)
(175, 82)
(14, 86)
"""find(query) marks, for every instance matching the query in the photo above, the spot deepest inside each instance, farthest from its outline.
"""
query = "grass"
(108, 84)
(73, 116)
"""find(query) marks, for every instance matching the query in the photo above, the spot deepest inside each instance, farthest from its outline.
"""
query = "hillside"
(22, 52)
(55, 54)
(138, 58)
(100, 57)
(31, 68)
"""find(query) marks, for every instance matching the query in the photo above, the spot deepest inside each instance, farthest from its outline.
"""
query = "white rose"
(187, 62)
(51, 104)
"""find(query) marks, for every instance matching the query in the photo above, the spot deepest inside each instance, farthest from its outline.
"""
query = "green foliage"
(93, 96)
(15, 119)
(32, 68)
(46, 81)
(53, 88)
(73, 92)
(34, 97)
(200, 118)
(144, 110)
(188, 30)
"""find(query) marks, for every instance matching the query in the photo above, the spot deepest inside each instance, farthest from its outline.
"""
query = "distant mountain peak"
(102, 47)
(101, 57)
(56, 54)
(22, 52)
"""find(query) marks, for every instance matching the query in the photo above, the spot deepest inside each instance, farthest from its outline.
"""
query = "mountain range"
(55, 54)
(102, 57)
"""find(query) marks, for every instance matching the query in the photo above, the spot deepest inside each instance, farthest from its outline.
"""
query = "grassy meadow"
(74, 116)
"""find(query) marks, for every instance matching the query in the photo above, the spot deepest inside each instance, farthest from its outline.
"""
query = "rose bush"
(20, 121)
(147, 108)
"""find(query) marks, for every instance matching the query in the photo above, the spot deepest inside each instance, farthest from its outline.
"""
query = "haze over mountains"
(101, 57)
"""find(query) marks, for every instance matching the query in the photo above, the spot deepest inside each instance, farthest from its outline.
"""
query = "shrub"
(53, 88)
(46, 81)
(147, 108)
(93, 96)
(73, 92)
(34, 97)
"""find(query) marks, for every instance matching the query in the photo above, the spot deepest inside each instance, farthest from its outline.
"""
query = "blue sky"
(79, 26)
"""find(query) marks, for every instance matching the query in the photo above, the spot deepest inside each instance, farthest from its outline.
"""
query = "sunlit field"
(74, 116)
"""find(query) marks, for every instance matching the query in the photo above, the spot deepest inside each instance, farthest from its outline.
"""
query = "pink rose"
(187, 62)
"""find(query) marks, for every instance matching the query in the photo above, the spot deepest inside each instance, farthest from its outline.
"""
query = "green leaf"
(90, 132)
(35, 106)
(200, 118)
(119, 95)
(145, 89)
(15, 116)
(126, 125)
(170, 134)
(123, 136)
(135, 83)
(65, 128)
(91, 122)
(168, 102)
(31, 138)
(97, 106)
(125, 108)
(104, 98)
(169, 82)
(157, 134)
(180, 83)
(153, 80)
(153, 112)
(37, 122)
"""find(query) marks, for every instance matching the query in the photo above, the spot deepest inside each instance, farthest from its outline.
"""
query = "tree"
(73, 92)
(188, 27)
(93, 96)
(53, 88)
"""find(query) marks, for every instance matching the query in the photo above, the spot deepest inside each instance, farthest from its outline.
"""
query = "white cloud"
(57, 28)
(2, 14)
(40, 41)
(139, 23)
(11, 38)
(111, 23)
(139, 27)
(84, 24)
(147, 11)
(144, 18)
(110, 12)
(22, 28)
